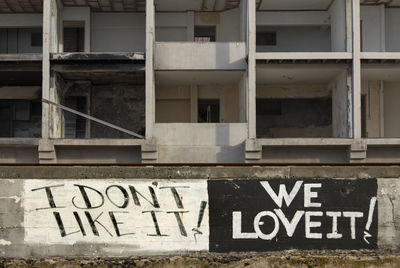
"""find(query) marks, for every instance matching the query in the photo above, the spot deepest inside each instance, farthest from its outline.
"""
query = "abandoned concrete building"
(199, 81)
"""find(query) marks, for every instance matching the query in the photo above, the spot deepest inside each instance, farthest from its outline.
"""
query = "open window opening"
(204, 33)
(301, 26)
(74, 36)
(20, 118)
(303, 101)
(208, 111)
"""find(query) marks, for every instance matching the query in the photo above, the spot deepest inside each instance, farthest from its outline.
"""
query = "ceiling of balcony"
(21, 6)
(389, 3)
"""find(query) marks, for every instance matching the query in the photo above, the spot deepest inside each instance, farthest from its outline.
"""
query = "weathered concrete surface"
(12, 213)
(283, 259)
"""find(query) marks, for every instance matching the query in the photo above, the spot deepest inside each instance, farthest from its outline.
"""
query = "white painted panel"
(122, 32)
(135, 222)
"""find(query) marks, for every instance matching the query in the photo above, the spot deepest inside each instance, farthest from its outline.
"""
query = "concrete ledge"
(82, 56)
(21, 57)
(291, 258)
(98, 142)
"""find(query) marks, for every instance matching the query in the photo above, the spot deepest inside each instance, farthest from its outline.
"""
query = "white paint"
(312, 224)
(289, 226)
(334, 234)
(4, 242)
(308, 195)
(257, 223)
(41, 226)
(282, 194)
(237, 227)
(353, 215)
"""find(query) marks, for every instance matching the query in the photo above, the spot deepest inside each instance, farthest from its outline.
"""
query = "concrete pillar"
(358, 151)
(193, 103)
(46, 67)
(150, 83)
(383, 27)
(356, 71)
(190, 26)
(349, 26)
(253, 151)
(251, 44)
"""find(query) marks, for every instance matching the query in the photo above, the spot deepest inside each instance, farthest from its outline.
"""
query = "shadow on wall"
(228, 153)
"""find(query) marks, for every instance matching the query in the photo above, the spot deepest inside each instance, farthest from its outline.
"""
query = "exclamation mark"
(200, 219)
(369, 221)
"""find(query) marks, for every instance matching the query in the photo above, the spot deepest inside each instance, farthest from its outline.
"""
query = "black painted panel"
(347, 199)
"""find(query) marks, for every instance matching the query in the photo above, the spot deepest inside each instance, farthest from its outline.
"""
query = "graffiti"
(280, 214)
(121, 212)
(199, 215)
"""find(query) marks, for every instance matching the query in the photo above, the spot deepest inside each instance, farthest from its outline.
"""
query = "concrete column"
(383, 28)
(47, 9)
(382, 109)
(193, 103)
(150, 84)
(349, 26)
(190, 26)
(251, 44)
(356, 71)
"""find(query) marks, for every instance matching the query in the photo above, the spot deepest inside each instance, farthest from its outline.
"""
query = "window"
(266, 39)
(204, 33)
(36, 39)
(208, 111)
(74, 36)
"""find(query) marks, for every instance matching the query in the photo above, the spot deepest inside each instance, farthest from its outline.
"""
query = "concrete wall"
(18, 40)
(391, 109)
(298, 39)
(21, 20)
(305, 154)
(98, 154)
(179, 210)
(341, 112)
(22, 155)
(199, 56)
(371, 24)
(371, 91)
(337, 12)
(176, 104)
(392, 16)
(118, 32)
(77, 14)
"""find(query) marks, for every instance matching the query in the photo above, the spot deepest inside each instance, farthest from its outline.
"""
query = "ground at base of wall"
(289, 258)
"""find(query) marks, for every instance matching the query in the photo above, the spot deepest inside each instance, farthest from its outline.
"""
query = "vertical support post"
(349, 26)
(193, 104)
(356, 71)
(383, 27)
(150, 84)
(251, 39)
(190, 26)
(47, 9)
(382, 109)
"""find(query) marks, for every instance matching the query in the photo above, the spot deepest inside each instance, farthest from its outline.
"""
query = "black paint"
(250, 197)
(135, 194)
(85, 197)
(124, 193)
(116, 223)
(92, 223)
(49, 195)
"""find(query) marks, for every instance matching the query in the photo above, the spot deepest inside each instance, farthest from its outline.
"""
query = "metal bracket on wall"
(93, 119)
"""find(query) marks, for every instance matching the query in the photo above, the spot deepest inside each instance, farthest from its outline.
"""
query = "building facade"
(199, 81)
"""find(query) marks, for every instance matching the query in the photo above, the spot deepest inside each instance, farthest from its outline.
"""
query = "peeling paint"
(4, 242)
